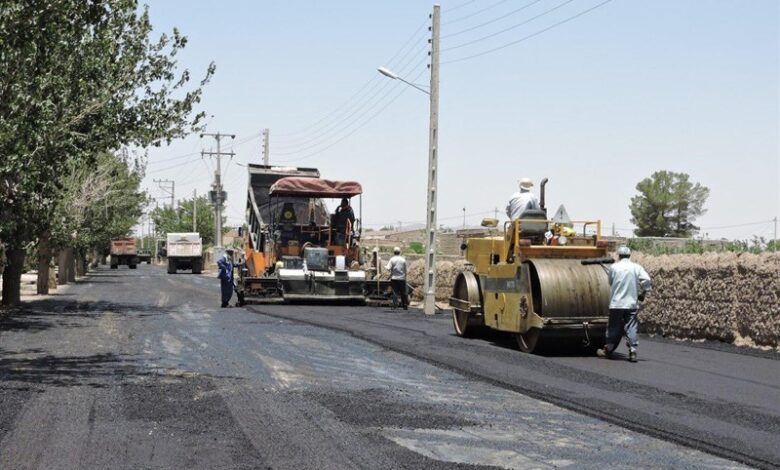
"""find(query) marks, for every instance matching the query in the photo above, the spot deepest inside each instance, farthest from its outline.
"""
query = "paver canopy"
(315, 187)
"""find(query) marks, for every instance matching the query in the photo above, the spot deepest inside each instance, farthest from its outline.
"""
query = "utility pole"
(266, 152)
(429, 288)
(218, 196)
(169, 187)
(464, 218)
(194, 210)
(495, 213)
(774, 239)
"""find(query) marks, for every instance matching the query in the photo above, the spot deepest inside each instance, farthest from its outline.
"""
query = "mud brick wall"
(722, 296)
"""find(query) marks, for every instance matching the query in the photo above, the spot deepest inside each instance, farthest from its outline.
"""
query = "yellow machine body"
(526, 288)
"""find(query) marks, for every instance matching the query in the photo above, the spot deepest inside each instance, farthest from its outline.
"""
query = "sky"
(593, 95)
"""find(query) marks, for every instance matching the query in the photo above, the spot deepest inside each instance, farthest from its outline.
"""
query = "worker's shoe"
(632, 356)
(604, 353)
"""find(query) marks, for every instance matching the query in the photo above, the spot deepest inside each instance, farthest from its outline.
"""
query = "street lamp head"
(387, 73)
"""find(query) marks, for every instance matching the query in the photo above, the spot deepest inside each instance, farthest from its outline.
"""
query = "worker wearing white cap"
(629, 282)
(522, 201)
(397, 268)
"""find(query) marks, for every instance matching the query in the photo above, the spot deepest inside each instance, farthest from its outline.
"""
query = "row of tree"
(84, 89)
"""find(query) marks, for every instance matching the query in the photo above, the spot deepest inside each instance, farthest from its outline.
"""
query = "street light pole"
(429, 287)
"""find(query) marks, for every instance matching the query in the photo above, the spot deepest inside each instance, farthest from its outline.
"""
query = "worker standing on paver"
(225, 275)
(629, 282)
(522, 201)
(397, 268)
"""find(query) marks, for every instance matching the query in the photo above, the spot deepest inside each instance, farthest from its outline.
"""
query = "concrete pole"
(194, 210)
(774, 239)
(266, 151)
(429, 288)
(218, 198)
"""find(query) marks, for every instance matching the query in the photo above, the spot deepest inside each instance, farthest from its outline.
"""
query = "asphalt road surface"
(140, 369)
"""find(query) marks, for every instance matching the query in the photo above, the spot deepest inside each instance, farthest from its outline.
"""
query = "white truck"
(184, 251)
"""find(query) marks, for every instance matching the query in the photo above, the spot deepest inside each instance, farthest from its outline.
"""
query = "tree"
(168, 220)
(78, 78)
(667, 205)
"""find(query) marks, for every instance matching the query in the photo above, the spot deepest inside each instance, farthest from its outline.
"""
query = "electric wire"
(494, 20)
(525, 38)
(473, 14)
(458, 7)
(348, 120)
(366, 122)
(510, 28)
(374, 78)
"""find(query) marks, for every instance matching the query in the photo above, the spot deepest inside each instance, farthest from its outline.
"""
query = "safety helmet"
(526, 183)
(397, 250)
(624, 251)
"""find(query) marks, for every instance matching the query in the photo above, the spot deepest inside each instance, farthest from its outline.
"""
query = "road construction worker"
(522, 200)
(629, 282)
(344, 213)
(225, 275)
(397, 268)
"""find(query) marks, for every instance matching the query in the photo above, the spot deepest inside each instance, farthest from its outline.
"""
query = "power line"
(537, 33)
(458, 7)
(374, 78)
(366, 122)
(482, 25)
(337, 127)
(505, 30)
(354, 122)
(348, 113)
(474, 13)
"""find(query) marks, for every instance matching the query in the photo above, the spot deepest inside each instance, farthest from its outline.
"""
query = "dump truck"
(542, 281)
(125, 252)
(295, 249)
(145, 256)
(184, 251)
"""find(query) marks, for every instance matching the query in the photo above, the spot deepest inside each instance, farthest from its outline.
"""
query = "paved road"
(138, 369)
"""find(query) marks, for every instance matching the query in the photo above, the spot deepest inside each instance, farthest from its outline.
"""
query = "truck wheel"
(171, 267)
(197, 267)
(114, 266)
(131, 266)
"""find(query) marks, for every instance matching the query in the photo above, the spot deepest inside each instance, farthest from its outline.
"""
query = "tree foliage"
(667, 205)
(168, 220)
(82, 81)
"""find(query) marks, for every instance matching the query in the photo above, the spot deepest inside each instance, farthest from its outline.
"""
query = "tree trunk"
(44, 257)
(62, 267)
(79, 262)
(95, 259)
(71, 264)
(12, 276)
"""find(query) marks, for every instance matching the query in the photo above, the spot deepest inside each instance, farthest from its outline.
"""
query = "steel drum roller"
(567, 288)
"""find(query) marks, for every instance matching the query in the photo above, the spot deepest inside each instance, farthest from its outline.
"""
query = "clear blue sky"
(595, 104)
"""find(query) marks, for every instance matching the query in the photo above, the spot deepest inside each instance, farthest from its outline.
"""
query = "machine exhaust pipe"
(541, 193)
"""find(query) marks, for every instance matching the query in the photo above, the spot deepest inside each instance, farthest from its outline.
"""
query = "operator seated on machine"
(522, 201)
(344, 214)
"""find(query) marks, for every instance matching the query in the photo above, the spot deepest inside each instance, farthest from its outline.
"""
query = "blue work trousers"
(622, 322)
(227, 291)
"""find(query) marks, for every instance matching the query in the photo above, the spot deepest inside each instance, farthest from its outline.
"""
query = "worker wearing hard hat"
(629, 282)
(522, 201)
(397, 268)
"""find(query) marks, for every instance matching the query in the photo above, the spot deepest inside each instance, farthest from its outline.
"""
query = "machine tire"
(197, 267)
(132, 266)
(467, 288)
(114, 266)
(171, 267)
(528, 341)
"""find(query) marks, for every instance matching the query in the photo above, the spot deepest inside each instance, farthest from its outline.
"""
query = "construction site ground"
(141, 369)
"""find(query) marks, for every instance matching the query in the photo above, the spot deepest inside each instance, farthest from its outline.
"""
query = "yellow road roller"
(543, 281)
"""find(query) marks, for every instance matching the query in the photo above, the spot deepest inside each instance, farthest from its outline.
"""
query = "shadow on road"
(97, 371)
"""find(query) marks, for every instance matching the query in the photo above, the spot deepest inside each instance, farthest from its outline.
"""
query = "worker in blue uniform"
(225, 275)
